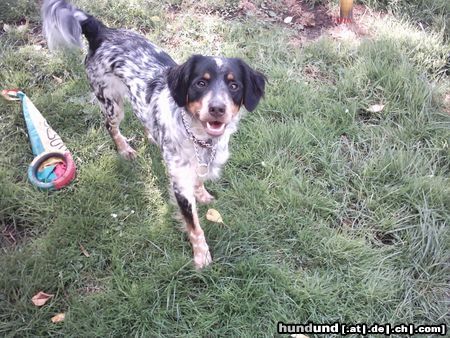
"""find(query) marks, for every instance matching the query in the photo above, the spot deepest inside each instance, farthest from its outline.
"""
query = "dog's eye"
(233, 86)
(201, 84)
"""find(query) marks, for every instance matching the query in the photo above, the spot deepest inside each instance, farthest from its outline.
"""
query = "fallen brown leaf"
(84, 251)
(58, 318)
(57, 79)
(214, 216)
(41, 298)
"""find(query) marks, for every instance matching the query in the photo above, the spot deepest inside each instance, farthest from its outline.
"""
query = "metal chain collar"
(203, 168)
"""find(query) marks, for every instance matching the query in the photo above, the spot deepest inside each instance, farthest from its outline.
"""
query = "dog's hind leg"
(109, 93)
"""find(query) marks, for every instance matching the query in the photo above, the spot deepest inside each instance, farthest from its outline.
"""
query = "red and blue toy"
(53, 167)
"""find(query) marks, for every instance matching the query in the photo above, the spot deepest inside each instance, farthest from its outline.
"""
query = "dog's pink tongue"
(215, 128)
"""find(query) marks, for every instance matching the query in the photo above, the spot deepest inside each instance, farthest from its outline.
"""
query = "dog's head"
(213, 89)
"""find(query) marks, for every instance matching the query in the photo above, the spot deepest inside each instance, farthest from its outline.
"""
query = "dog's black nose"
(217, 109)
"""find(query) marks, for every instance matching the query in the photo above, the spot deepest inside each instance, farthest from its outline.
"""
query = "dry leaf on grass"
(58, 318)
(84, 251)
(376, 108)
(214, 216)
(41, 298)
(57, 79)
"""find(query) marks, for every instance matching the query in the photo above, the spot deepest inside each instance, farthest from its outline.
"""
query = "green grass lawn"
(332, 212)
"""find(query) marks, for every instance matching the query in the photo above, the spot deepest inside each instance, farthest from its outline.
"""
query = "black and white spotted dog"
(189, 110)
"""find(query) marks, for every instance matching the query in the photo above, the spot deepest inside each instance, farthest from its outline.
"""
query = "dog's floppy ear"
(254, 85)
(178, 79)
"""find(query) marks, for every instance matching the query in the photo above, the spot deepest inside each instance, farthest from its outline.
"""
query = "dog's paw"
(128, 153)
(202, 259)
(203, 196)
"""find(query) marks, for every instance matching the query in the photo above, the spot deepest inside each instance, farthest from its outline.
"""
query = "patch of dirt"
(5, 25)
(307, 20)
(355, 30)
(384, 238)
(11, 234)
(36, 37)
(32, 31)
(314, 73)
(91, 286)
(368, 118)
(310, 22)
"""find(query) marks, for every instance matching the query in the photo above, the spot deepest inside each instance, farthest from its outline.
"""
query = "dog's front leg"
(201, 194)
(183, 190)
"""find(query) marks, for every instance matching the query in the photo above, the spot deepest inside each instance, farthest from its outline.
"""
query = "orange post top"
(346, 11)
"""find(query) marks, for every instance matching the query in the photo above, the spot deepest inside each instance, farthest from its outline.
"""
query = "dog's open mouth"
(215, 128)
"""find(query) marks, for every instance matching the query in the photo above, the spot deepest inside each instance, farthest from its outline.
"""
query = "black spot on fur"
(151, 87)
(164, 59)
(156, 125)
(179, 78)
(254, 85)
(94, 30)
(185, 206)
(100, 96)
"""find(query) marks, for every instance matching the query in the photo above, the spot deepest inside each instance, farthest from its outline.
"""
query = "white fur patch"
(80, 16)
(219, 62)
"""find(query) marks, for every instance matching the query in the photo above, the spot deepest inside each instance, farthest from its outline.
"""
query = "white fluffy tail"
(62, 24)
